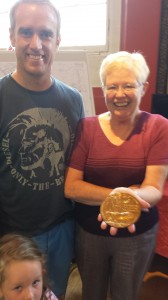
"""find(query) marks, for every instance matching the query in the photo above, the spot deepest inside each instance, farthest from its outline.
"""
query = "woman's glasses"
(126, 88)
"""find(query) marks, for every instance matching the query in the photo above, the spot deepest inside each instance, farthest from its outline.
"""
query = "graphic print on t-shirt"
(34, 147)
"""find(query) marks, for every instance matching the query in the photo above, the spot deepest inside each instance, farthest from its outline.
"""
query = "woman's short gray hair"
(135, 61)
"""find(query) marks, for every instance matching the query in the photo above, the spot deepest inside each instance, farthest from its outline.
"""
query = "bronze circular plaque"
(120, 210)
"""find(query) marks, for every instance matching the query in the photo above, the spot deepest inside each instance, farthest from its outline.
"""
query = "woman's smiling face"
(122, 92)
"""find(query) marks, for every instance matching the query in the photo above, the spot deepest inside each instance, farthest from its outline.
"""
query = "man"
(38, 119)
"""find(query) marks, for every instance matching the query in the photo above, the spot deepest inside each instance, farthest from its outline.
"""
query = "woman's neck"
(117, 131)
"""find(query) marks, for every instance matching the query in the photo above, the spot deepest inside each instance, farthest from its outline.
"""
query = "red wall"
(140, 27)
(98, 97)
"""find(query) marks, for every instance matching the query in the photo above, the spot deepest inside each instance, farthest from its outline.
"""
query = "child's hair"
(15, 247)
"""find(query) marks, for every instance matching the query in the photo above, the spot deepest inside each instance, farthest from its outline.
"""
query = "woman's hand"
(113, 230)
(144, 206)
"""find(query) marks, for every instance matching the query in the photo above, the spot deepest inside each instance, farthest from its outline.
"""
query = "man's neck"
(34, 83)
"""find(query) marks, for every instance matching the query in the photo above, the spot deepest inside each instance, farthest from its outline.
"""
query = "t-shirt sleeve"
(158, 137)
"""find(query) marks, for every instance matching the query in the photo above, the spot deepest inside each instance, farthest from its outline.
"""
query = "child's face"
(23, 281)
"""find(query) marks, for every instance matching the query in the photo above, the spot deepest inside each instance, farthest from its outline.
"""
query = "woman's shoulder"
(154, 125)
(89, 120)
(153, 118)
(88, 125)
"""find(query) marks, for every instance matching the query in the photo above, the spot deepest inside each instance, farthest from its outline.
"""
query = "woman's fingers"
(113, 230)
(132, 228)
(103, 225)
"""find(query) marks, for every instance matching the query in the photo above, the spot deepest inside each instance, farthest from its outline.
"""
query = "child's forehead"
(21, 273)
(22, 266)
(24, 262)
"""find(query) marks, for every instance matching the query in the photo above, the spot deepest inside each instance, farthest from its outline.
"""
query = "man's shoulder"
(62, 86)
(4, 80)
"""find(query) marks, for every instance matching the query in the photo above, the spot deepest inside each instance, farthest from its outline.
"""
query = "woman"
(124, 147)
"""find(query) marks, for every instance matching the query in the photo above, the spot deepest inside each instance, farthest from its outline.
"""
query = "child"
(22, 270)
